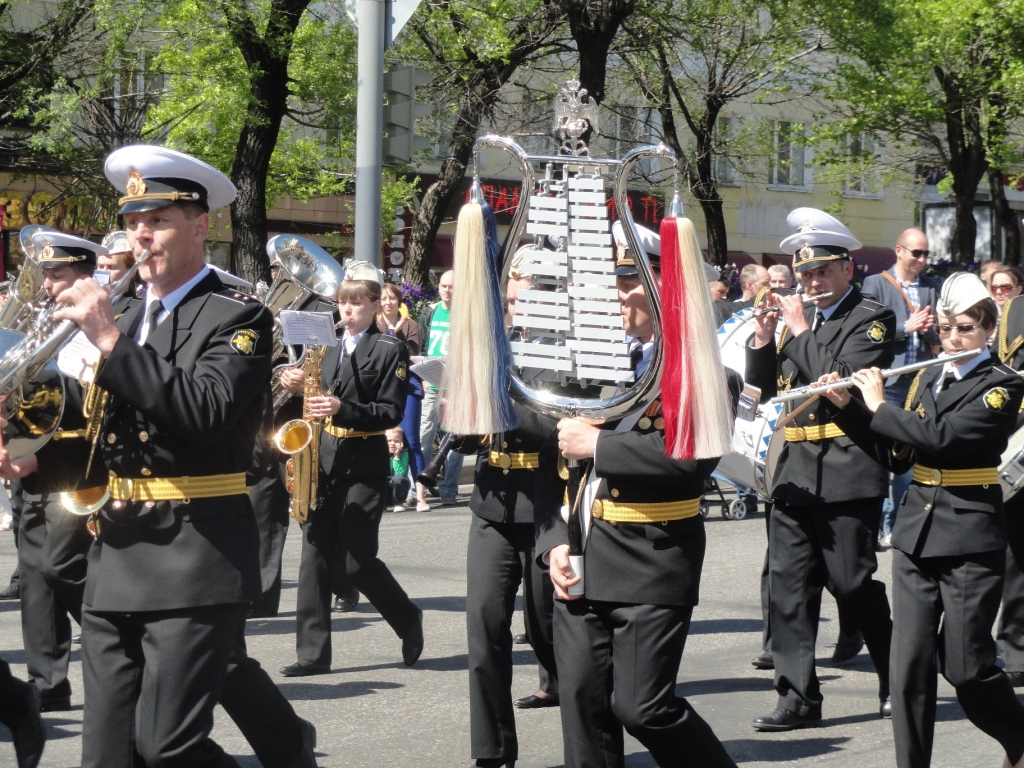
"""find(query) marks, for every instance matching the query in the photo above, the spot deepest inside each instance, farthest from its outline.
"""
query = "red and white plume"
(694, 389)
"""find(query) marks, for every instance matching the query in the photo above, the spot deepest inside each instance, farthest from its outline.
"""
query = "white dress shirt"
(959, 371)
(170, 302)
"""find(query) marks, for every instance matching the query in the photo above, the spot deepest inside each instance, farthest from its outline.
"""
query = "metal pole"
(369, 129)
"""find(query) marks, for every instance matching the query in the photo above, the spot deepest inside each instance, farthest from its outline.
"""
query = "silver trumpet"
(818, 389)
(30, 384)
(808, 300)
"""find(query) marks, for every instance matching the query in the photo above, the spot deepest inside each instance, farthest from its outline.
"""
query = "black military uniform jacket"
(507, 495)
(967, 428)
(185, 404)
(371, 384)
(650, 563)
(859, 334)
(1010, 340)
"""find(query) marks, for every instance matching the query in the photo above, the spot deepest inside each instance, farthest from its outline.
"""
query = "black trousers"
(964, 592)
(152, 680)
(349, 519)
(15, 696)
(810, 546)
(1011, 625)
(617, 666)
(259, 709)
(270, 501)
(500, 556)
(51, 562)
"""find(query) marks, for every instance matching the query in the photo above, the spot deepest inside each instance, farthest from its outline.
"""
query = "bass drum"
(755, 446)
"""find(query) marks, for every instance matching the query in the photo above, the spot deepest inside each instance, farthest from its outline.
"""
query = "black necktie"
(818, 320)
(947, 380)
(636, 355)
(154, 309)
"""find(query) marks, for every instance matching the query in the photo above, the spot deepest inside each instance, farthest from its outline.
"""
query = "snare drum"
(755, 447)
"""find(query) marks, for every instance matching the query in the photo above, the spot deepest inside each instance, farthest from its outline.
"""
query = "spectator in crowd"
(399, 484)
(753, 278)
(1005, 283)
(719, 290)
(393, 321)
(434, 329)
(779, 276)
(985, 270)
(912, 295)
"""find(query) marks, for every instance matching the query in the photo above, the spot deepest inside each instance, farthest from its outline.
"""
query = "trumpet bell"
(293, 436)
(33, 411)
(86, 501)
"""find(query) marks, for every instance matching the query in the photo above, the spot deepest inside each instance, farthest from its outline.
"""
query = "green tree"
(695, 59)
(935, 81)
(473, 48)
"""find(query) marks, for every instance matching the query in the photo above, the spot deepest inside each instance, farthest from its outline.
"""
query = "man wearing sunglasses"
(912, 296)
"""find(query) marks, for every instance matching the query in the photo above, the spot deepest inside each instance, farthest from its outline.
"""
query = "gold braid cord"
(901, 450)
(1004, 350)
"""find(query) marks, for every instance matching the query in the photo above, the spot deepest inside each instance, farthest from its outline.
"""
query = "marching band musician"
(53, 544)
(618, 647)
(174, 561)
(1010, 348)
(949, 540)
(822, 525)
(501, 556)
(364, 377)
(117, 261)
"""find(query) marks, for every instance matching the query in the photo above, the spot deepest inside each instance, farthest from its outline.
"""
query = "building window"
(721, 164)
(787, 167)
(863, 180)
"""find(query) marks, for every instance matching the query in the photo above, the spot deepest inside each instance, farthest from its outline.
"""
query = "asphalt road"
(373, 711)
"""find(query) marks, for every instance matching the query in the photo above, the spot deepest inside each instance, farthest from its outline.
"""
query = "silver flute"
(817, 389)
(807, 301)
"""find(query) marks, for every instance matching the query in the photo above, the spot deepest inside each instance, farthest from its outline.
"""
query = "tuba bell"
(306, 270)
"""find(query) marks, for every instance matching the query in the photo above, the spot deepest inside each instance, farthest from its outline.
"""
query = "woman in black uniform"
(949, 541)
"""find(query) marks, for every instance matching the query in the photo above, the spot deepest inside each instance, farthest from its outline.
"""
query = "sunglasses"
(1002, 288)
(917, 253)
(963, 330)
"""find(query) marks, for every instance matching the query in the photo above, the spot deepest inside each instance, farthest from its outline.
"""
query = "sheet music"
(430, 370)
(300, 327)
(77, 358)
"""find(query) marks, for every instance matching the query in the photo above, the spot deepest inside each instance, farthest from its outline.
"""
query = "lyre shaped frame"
(623, 400)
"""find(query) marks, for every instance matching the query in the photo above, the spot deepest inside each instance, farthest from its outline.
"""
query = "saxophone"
(300, 439)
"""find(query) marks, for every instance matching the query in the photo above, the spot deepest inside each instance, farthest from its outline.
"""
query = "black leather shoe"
(30, 737)
(1016, 679)
(533, 701)
(847, 648)
(10, 592)
(347, 603)
(520, 640)
(412, 643)
(885, 708)
(55, 704)
(786, 720)
(257, 611)
(303, 668)
(307, 757)
(763, 660)
(494, 762)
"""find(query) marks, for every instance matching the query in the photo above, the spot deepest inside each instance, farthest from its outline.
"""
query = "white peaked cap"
(960, 292)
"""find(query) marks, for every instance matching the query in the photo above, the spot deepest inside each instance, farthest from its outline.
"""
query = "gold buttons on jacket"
(146, 471)
(659, 423)
(504, 444)
(810, 416)
(111, 438)
(615, 493)
(644, 423)
(927, 507)
(144, 436)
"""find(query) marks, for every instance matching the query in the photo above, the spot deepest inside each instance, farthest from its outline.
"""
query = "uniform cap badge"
(996, 398)
(244, 341)
(135, 186)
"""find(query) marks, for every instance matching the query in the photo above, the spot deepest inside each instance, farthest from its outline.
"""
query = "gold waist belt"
(342, 433)
(820, 432)
(514, 460)
(605, 509)
(176, 488)
(955, 477)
